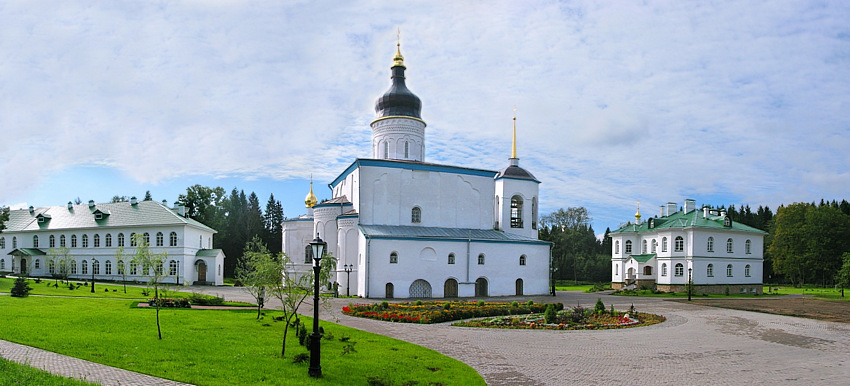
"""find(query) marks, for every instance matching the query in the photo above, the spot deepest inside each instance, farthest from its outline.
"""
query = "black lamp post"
(690, 283)
(318, 249)
(348, 268)
(92, 274)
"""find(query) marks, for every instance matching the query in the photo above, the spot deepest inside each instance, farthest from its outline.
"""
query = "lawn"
(211, 347)
(649, 293)
(12, 373)
(823, 293)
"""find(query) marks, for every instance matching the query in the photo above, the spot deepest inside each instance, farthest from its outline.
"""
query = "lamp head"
(318, 247)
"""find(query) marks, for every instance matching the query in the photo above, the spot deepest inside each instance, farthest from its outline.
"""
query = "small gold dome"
(637, 215)
(398, 60)
(310, 200)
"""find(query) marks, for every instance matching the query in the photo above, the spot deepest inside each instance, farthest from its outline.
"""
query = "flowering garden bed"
(442, 311)
(577, 318)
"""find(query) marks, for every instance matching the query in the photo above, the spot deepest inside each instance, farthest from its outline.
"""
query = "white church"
(412, 229)
(704, 246)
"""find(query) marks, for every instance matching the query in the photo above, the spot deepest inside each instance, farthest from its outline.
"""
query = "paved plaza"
(696, 345)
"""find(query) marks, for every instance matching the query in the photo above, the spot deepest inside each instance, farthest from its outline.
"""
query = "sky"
(724, 102)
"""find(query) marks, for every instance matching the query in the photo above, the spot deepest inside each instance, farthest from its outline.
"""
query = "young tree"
(294, 289)
(152, 265)
(60, 259)
(843, 277)
(788, 249)
(259, 271)
(148, 196)
(4, 216)
(121, 265)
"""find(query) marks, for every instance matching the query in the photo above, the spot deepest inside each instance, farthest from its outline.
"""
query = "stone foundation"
(719, 289)
(617, 285)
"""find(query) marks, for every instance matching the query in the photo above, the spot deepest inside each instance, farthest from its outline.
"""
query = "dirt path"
(829, 310)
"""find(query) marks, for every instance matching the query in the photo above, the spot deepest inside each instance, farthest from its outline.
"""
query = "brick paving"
(696, 345)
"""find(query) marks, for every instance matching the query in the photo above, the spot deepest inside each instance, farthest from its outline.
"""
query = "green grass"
(582, 287)
(822, 293)
(697, 295)
(211, 347)
(12, 373)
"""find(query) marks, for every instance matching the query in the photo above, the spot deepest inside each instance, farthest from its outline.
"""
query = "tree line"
(807, 243)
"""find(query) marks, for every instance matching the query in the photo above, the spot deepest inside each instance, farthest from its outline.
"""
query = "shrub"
(300, 358)
(38, 281)
(385, 304)
(21, 288)
(726, 291)
(514, 304)
(480, 303)
(447, 306)
(550, 314)
(578, 315)
(170, 303)
(600, 307)
(529, 302)
(416, 303)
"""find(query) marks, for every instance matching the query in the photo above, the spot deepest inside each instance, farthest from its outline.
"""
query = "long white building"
(93, 234)
(410, 228)
(706, 244)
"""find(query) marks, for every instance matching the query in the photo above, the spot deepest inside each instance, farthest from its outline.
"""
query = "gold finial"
(513, 146)
(310, 200)
(398, 60)
(637, 215)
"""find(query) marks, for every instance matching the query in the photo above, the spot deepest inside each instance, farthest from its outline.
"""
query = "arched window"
(709, 271)
(747, 246)
(647, 270)
(729, 270)
(451, 258)
(308, 255)
(73, 267)
(85, 241)
(516, 212)
(2, 263)
(727, 222)
(35, 241)
(95, 267)
(394, 258)
(38, 264)
(616, 269)
(172, 268)
(134, 268)
(147, 238)
(628, 246)
(120, 239)
(3, 242)
(522, 260)
(747, 270)
(62, 240)
(386, 150)
(200, 241)
(172, 239)
(406, 149)
(654, 245)
(416, 215)
(120, 267)
(680, 244)
(679, 269)
(107, 266)
(108, 240)
(481, 259)
(534, 213)
(73, 241)
(729, 246)
(709, 247)
(51, 241)
(617, 247)
(96, 240)
(132, 239)
(14, 242)
(85, 267)
(159, 239)
(643, 247)
(663, 244)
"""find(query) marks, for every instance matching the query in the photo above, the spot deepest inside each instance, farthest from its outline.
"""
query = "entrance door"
(202, 271)
(481, 287)
(23, 266)
(518, 287)
(389, 290)
(450, 288)
(420, 289)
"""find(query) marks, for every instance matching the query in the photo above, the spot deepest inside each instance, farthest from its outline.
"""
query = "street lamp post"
(92, 274)
(348, 268)
(318, 248)
(690, 283)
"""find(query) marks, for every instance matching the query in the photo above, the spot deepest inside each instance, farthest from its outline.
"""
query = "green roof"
(27, 252)
(417, 232)
(120, 214)
(208, 252)
(681, 220)
(643, 258)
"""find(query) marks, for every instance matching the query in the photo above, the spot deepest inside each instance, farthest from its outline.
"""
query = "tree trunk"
(285, 331)
(158, 329)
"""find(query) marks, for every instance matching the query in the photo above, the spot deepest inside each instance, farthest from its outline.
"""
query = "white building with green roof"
(93, 233)
(717, 253)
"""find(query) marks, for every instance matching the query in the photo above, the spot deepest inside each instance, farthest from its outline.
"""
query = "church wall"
(350, 188)
(446, 199)
(428, 260)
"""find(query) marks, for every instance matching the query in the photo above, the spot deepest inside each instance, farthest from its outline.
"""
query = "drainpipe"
(468, 242)
(368, 254)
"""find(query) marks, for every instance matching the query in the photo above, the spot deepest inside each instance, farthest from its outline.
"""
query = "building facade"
(412, 229)
(93, 234)
(705, 245)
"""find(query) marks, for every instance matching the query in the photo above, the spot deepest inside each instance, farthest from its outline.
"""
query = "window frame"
(416, 215)
(709, 270)
(481, 259)
(729, 271)
(679, 270)
(522, 259)
(393, 257)
(680, 244)
(451, 258)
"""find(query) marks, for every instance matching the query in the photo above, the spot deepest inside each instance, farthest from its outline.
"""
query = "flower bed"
(564, 321)
(441, 311)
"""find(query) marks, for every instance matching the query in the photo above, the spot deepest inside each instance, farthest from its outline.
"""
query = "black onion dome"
(398, 100)
(516, 172)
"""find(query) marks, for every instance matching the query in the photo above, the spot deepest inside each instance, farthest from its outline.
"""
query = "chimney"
(91, 204)
(671, 208)
(661, 213)
(723, 213)
(705, 211)
(180, 209)
(32, 209)
(70, 205)
(133, 200)
(165, 203)
(690, 205)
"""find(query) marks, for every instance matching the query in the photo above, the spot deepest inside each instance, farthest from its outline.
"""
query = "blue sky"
(617, 102)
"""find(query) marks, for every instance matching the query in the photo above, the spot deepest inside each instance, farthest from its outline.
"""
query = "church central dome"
(398, 100)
